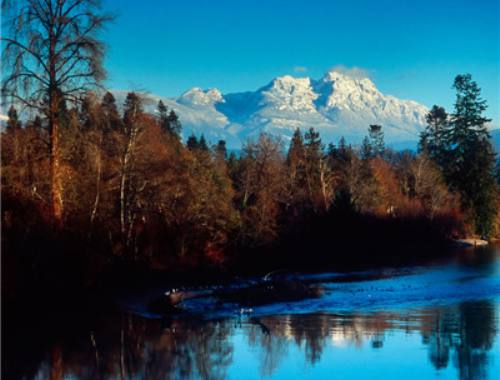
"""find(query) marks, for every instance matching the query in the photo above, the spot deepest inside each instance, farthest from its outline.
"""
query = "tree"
(174, 124)
(13, 122)
(192, 142)
(296, 173)
(221, 150)
(259, 185)
(340, 160)
(318, 176)
(202, 144)
(133, 119)
(13, 128)
(52, 55)
(376, 140)
(434, 139)
(169, 121)
(110, 115)
(472, 159)
(366, 149)
(429, 186)
(162, 111)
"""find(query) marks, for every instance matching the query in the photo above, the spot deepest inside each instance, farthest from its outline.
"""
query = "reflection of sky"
(403, 355)
(446, 325)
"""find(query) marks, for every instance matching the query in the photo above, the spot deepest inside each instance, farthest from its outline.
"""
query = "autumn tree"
(51, 54)
(429, 186)
(259, 186)
(133, 125)
(319, 180)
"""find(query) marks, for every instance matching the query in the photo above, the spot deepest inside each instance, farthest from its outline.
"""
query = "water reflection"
(460, 338)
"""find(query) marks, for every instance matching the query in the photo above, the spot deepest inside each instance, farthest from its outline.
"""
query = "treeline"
(131, 189)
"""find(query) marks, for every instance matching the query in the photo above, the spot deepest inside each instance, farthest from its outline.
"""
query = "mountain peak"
(290, 93)
(197, 96)
(341, 80)
(341, 103)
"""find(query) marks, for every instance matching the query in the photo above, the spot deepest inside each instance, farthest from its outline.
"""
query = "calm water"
(413, 323)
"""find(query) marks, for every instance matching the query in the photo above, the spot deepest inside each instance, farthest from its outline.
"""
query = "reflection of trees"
(184, 350)
(477, 333)
(272, 347)
(465, 333)
(130, 347)
(127, 347)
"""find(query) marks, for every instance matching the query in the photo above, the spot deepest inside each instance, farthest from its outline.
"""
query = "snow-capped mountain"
(336, 105)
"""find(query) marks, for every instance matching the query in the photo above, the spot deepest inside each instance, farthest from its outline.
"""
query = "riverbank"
(471, 242)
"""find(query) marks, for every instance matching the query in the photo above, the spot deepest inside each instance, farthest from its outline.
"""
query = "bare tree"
(51, 55)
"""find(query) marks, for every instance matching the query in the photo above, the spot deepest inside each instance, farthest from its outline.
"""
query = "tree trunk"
(55, 164)
(126, 164)
(54, 120)
(324, 185)
(98, 184)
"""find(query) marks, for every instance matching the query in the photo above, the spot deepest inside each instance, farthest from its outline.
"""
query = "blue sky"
(411, 49)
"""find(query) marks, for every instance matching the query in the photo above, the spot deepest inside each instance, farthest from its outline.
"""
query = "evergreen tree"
(132, 111)
(13, 122)
(296, 152)
(192, 142)
(110, 115)
(340, 160)
(174, 124)
(202, 144)
(169, 121)
(366, 149)
(296, 171)
(472, 161)
(36, 124)
(434, 139)
(480, 190)
(221, 150)
(89, 115)
(376, 140)
(164, 122)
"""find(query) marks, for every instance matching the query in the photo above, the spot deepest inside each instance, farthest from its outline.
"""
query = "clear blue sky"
(411, 49)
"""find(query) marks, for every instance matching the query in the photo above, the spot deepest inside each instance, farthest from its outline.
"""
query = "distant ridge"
(336, 105)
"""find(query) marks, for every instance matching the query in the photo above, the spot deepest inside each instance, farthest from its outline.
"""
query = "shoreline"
(471, 242)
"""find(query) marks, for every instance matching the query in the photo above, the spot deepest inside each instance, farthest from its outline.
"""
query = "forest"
(89, 185)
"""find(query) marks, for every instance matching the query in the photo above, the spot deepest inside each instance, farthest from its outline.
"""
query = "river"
(437, 321)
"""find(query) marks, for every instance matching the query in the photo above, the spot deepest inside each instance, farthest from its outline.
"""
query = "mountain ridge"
(336, 105)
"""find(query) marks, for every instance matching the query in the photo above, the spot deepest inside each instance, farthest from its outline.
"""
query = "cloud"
(353, 72)
(300, 69)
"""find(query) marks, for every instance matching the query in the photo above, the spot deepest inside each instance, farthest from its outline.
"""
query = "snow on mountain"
(336, 105)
